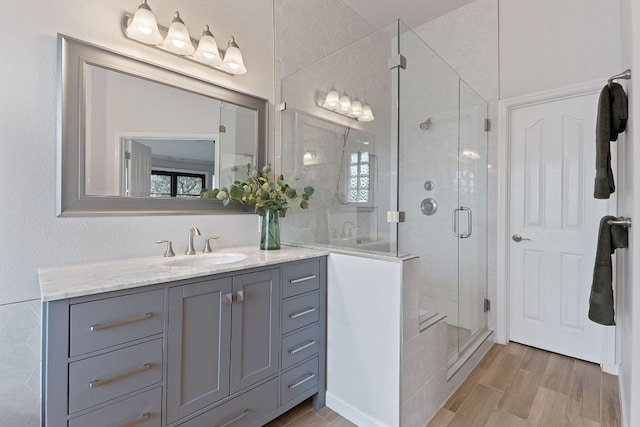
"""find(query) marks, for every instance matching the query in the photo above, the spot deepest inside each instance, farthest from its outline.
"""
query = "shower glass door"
(442, 171)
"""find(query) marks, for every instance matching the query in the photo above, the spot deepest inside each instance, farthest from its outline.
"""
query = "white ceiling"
(412, 12)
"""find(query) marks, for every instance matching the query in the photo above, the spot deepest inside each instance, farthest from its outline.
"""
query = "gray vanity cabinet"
(255, 328)
(235, 349)
(222, 337)
(198, 346)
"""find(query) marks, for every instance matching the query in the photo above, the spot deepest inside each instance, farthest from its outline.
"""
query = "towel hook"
(626, 75)
(625, 222)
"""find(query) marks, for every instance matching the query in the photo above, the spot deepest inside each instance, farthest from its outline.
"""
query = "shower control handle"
(518, 238)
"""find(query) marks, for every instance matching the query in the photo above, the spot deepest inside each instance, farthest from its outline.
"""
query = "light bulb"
(367, 114)
(178, 39)
(143, 26)
(332, 100)
(345, 104)
(207, 51)
(232, 61)
(356, 108)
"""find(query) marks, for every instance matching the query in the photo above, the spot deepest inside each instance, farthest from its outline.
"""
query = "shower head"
(426, 124)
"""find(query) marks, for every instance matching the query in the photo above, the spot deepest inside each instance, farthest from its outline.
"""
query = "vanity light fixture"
(346, 106)
(178, 40)
(142, 27)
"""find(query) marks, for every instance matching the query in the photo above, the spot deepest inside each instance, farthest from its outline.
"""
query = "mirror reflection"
(149, 139)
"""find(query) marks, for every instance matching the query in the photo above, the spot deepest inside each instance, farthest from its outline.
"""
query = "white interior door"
(554, 212)
(138, 159)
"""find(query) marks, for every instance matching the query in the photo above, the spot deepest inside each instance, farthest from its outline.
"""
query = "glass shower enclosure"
(411, 181)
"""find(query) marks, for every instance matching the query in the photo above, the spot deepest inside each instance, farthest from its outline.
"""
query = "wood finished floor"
(520, 386)
(512, 386)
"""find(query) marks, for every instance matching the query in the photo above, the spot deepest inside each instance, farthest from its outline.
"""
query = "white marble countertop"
(97, 277)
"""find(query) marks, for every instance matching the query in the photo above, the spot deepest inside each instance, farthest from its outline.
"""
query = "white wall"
(31, 234)
(629, 206)
(546, 44)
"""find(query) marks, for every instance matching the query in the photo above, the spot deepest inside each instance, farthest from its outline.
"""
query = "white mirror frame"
(73, 58)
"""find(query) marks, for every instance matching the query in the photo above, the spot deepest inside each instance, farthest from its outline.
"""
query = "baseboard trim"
(350, 413)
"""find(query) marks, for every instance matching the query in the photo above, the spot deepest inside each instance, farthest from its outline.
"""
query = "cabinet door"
(198, 346)
(256, 326)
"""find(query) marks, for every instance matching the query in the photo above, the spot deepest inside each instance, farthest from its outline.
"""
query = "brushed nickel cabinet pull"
(302, 347)
(302, 279)
(228, 299)
(302, 313)
(104, 381)
(142, 418)
(233, 420)
(120, 322)
(299, 383)
(239, 296)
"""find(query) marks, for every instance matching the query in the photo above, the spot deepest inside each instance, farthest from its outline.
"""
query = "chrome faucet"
(193, 231)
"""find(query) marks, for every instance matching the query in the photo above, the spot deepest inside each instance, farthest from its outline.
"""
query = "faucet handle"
(207, 246)
(169, 251)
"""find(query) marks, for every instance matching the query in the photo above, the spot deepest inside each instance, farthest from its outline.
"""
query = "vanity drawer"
(100, 324)
(300, 345)
(101, 378)
(140, 411)
(299, 380)
(245, 410)
(300, 278)
(300, 311)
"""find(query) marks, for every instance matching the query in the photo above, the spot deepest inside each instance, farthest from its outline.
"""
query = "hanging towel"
(601, 302)
(612, 120)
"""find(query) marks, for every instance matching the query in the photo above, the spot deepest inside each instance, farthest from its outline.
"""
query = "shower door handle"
(469, 222)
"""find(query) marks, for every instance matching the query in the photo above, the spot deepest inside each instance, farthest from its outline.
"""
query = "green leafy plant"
(262, 191)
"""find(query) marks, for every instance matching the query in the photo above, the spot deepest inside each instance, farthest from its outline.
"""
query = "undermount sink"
(206, 260)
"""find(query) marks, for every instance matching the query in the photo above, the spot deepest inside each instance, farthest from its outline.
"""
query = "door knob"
(518, 238)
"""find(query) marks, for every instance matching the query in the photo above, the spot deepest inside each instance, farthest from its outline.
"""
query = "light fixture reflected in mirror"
(346, 106)
(142, 27)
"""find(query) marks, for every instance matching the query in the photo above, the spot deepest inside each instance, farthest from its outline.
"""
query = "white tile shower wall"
(467, 39)
(362, 70)
(32, 234)
(306, 32)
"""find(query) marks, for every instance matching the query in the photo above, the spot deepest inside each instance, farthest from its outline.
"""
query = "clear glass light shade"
(143, 26)
(178, 40)
(332, 100)
(232, 61)
(345, 104)
(356, 108)
(367, 114)
(207, 51)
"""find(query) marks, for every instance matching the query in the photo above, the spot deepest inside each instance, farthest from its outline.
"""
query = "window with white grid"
(358, 177)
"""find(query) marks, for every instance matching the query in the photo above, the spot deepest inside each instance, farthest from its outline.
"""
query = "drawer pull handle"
(302, 279)
(237, 418)
(120, 322)
(142, 418)
(302, 313)
(302, 347)
(104, 381)
(299, 383)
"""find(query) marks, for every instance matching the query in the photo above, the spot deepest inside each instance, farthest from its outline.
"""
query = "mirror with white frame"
(138, 139)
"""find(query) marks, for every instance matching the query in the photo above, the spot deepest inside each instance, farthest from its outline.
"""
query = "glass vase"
(270, 236)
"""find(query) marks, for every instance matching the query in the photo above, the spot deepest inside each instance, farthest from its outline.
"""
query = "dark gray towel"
(612, 120)
(601, 305)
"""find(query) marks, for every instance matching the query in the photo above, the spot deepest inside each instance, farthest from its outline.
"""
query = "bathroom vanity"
(169, 342)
